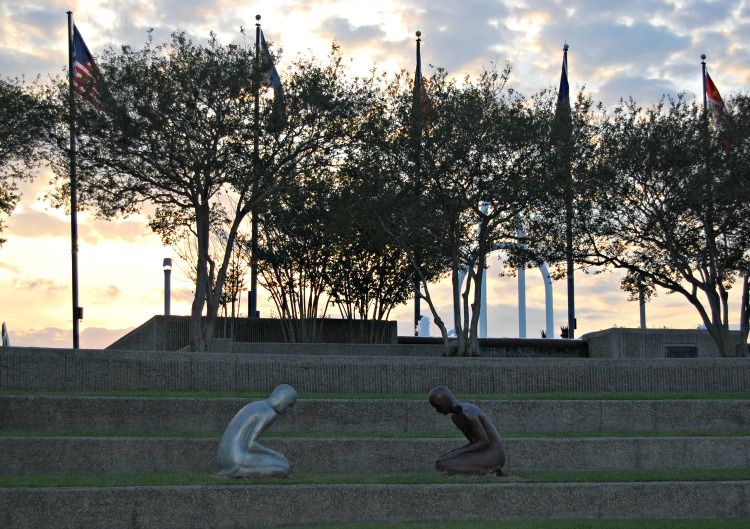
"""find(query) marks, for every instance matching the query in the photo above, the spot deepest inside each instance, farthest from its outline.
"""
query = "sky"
(644, 49)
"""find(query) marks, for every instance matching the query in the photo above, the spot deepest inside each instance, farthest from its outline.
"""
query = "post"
(703, 76)
(77, 311)
(569, 222)
(521, 282)
(253, 301)
(167, 265)
(418, 159)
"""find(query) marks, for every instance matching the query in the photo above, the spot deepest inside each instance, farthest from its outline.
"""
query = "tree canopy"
(26, 116)
(356, 199)
(176, 130)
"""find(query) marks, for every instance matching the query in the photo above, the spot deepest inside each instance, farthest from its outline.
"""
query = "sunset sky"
(642, 48)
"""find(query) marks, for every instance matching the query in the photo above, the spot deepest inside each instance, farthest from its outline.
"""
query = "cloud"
(643, 48)
(345, 33)
(643, 90)
(30, 223)
(698, 15)
(461, 36)
(37, 284)
(38, 224)
(107, 295)
(13, 269)
(100, 338)
(90, 337)
(41, 337)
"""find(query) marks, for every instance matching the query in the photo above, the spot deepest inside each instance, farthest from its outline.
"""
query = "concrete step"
(266, 506)
(124, 455)
(26, 368)
(141, 414)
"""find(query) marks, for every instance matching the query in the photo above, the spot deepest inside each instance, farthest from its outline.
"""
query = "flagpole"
(418, 159)
(569, 231)
(253, 302)
(703, 68)
(77, 311)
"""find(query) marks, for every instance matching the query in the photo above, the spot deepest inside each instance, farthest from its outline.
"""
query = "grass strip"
(374, 435)
(404, 396)
(372, 478)
(550, 524)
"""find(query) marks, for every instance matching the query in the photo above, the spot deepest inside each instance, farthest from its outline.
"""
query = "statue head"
(282, 398)
(443, 400)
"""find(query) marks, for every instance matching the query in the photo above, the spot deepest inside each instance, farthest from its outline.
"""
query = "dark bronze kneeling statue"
(484, 453)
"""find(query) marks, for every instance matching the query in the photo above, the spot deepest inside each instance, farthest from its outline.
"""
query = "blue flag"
(563, 95)
(270, 78)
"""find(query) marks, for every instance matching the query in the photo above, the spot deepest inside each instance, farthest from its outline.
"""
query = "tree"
(672, 202)
(478, 158)
(322, 245)
(370, 274)
(295, 255)
(565, 201)
(176, 131)
(183, 243)
(26, 116)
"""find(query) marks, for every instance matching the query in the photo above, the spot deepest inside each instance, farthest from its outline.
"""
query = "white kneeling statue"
(240, 454)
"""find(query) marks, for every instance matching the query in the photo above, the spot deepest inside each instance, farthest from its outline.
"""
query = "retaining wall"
(67, 370)
(142, 455)
(142, 414)
(654, 343)
(172, 333)
(261, 506)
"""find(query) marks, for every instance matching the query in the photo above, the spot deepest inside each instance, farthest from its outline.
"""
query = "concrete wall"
(67, 370)
(651, 343)
(21, 456)
(172, 333)
(211, 415)
(262, 506)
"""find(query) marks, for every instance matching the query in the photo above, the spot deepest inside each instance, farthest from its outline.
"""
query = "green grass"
(370, 478)
(550, 524)
(406, 396)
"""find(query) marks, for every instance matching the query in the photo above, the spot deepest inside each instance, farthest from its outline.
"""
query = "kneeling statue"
(484, 452)
(240, 455)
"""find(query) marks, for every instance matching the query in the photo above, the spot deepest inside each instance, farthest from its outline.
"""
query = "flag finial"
(565, 47)
(257, 17)
(419, 34)
(703, 56)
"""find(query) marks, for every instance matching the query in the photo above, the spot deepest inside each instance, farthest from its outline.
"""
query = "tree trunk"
(744, 315)
(198, 340)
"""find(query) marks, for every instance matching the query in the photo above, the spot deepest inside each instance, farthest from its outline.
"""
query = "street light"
(167, 265)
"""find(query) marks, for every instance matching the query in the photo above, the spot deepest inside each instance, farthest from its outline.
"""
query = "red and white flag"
(714, 100)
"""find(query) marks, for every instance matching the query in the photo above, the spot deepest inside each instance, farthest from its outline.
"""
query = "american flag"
(84, 70)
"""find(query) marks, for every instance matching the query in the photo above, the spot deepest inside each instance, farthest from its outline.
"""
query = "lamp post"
(167, 265)
(642, 301)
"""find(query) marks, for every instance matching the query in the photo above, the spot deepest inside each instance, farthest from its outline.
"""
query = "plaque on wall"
(681, 351)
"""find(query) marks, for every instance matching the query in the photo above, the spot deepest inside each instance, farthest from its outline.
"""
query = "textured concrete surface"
(125, 455)
(65, 370)
(650, 343)
(261, 506)
(172, 333)
(242, 507)
(119, 414)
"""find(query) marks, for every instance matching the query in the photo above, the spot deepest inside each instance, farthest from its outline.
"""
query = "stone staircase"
(49, 434)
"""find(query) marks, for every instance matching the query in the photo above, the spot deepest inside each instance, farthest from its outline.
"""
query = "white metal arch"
(548, 301)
